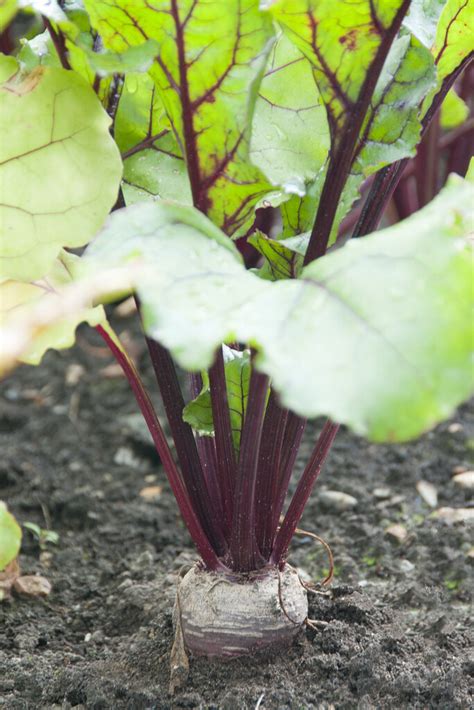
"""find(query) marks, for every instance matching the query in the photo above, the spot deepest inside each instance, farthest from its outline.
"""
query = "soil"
(392, 632)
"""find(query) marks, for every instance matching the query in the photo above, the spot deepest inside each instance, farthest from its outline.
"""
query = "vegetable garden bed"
(394, 633)
(220, 172)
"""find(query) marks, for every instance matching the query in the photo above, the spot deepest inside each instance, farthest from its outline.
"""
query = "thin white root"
(316, 624)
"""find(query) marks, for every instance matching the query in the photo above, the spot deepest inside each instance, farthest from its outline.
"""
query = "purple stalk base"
(198, 535)
(405, 197)
(224, 445)
(186, 445)
(462, 147)
(303, 491)
(295, 427)
(59, 42)
(243, 544)
(294, 433)
(206, 447)
(269, 467)
(207, 453)
(427, 164)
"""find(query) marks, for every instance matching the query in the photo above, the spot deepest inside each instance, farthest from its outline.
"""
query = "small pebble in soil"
(125, 584)
(406, 566)
(337, 501)
(144, 560)
(59, 409)
(73, 374)
(455, 428)
(46, 558)
(32, 586)
(391, 502)
(382, 493)
(126, 457)
(26, 641)
(455, 515)
(151, 493)
(464, 480)
(428, 492)
(397, 532)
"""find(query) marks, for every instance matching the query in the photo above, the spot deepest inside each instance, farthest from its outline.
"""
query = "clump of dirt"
(392, 632)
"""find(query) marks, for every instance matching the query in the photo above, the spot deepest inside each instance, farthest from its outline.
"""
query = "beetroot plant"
(213, 130)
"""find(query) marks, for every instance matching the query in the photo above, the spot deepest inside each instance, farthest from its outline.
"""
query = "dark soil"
(393, 633)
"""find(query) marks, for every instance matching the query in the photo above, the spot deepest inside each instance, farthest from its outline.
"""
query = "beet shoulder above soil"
(392, 632)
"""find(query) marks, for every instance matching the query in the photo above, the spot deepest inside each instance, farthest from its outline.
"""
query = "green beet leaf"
(341, 40)
(207, 71)
(283, 257)
(290, 136)
(69, 25)
(392, 128)
(10, 537)
(90, 64)
(49, 9)
(59, 168)
(153, 163)
(134, 59)
(184, 259)
(453, 43)
(8, 67)
(422, 19)
(395, 307)
(454, 38)
(198, 413)
(44, 314)
(343, 61)
(398, 304)
(8, 9)
(38, 51)
(18, 299)
(454, 111)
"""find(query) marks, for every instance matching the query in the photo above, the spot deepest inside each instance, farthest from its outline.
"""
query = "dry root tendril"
(315, 588)
(179, 661)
